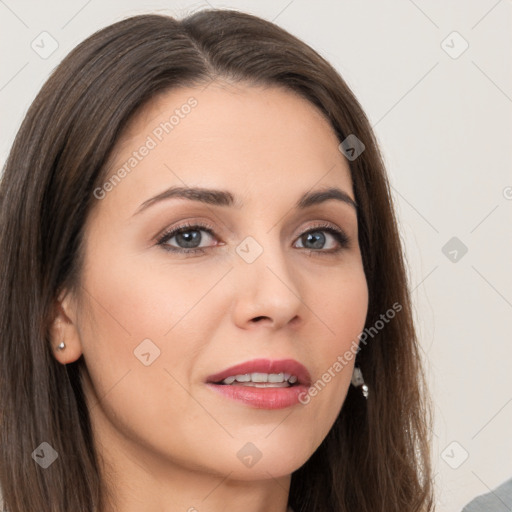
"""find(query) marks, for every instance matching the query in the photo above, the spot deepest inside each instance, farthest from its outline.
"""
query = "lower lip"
(262, 398)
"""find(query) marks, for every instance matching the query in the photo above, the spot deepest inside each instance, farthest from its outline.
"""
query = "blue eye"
(188, 237)
(317, 238)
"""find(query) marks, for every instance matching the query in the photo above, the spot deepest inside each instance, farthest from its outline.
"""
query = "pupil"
(189, 240)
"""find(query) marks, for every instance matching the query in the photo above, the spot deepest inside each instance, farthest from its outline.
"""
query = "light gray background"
(444, 125)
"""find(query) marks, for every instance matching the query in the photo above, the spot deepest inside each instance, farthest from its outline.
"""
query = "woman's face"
(268, 280)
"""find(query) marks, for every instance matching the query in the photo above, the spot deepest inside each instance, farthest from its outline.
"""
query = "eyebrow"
(226, 198)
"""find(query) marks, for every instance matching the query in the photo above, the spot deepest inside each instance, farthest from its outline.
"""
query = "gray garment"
(498, 500)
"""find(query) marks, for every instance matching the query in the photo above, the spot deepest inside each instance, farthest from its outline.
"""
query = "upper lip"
(265, 366)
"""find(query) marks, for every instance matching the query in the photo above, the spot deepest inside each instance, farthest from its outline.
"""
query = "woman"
(199, 255)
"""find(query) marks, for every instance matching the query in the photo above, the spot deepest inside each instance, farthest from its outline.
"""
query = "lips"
(268, 366)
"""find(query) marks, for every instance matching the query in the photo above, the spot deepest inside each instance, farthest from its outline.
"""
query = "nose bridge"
(267, 284)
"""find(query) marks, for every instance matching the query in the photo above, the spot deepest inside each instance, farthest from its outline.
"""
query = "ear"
(64, 329)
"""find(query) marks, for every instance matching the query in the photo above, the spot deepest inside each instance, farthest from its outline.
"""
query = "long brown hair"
(376, 456)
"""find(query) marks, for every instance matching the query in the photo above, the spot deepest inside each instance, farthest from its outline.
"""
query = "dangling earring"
(358, 381)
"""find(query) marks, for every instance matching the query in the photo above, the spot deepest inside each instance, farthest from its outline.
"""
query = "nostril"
(257, 319)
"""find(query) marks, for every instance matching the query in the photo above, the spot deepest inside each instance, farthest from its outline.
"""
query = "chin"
(271, 457)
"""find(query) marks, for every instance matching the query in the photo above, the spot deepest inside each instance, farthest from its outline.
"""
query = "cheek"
(341, 311)
(341, 308)
(141, 339)
(145, 318)
(148, 299)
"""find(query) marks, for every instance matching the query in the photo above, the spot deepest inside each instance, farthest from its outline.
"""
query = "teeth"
(257, 378)
(267, 384)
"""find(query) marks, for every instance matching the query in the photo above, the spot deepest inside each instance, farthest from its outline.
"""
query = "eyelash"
(339, 235)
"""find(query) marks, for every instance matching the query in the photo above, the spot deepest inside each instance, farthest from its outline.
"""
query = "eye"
(314, 239)
(188, 238)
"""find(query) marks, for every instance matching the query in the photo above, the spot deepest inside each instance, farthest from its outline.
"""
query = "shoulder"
(493, 501)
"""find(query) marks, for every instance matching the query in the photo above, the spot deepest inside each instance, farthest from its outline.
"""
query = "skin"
(168, 442)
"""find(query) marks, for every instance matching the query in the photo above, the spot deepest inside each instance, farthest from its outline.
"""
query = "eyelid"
(183, 225)
(320, 224)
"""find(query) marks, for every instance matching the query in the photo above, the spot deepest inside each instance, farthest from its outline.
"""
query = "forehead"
(221, 107)
(257, 141)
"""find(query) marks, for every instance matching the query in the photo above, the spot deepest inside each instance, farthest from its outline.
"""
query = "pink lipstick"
(263, 383)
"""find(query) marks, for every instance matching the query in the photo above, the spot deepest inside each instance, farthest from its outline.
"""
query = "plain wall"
(444, 124)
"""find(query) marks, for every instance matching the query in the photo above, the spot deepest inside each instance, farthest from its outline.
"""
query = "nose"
(267, 290)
